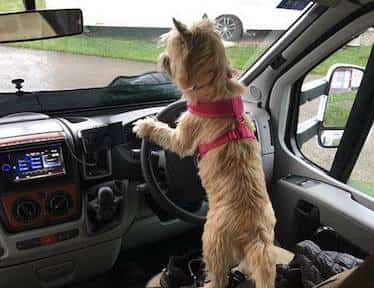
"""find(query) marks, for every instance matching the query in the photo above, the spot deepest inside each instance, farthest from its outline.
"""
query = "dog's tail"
(260, 256)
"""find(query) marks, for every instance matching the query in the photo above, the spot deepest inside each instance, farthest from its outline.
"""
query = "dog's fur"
(240, 222)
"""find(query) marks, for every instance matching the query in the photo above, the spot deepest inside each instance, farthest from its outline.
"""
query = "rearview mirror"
(43, 24)
(344, 81)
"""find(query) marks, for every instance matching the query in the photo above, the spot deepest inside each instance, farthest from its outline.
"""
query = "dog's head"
(195, 59)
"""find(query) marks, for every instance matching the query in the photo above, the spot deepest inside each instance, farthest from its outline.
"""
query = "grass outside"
(365, 187)
(337, 110)
(129, 49)
(147, 51)
(17, 5)
(137, 50)
(348, 55)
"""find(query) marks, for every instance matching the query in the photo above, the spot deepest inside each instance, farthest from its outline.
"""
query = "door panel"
(336, 209)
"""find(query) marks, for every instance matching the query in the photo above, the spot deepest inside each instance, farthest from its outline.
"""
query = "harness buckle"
(234, 134)
(240, 119)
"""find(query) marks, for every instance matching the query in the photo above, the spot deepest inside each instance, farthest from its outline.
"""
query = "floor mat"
(134, 268)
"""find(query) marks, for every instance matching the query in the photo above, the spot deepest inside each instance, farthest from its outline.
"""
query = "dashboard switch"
(66, 235)
(28, 244)
(48, 240)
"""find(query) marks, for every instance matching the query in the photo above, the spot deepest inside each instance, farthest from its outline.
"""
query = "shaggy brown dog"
(240, 222)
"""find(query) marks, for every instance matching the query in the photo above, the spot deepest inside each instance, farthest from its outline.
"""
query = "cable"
(77, 158)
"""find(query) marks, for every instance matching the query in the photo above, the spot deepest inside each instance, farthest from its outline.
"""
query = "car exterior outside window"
(122, 38)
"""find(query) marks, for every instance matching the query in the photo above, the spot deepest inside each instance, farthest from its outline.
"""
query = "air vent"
(127, 132)
(76, 119)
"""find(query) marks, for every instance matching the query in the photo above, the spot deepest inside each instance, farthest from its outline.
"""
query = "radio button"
(6, 168)
(47, 239)
(28, 244)
(66, 235)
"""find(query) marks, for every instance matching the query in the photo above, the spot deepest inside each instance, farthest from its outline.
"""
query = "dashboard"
(71, 190)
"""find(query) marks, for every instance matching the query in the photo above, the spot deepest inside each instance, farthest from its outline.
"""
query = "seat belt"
(358, 125)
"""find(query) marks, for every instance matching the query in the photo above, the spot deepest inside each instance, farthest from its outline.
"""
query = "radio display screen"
(33, 163)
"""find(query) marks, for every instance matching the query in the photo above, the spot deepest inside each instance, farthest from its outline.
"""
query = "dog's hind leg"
(260, 257)
(218, 258)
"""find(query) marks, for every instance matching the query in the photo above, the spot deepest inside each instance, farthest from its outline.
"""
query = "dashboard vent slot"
(76, 119)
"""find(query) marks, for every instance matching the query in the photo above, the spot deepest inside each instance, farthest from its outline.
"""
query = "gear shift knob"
(105, 196)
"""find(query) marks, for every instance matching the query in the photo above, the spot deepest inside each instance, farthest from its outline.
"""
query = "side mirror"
(330, 138)
(43, 24)
(335, 106)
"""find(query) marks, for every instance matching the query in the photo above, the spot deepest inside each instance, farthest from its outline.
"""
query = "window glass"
(328, 93)
(293, 4)
(122, 38)
(362, 175)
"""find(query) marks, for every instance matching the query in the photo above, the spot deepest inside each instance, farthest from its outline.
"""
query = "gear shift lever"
(105, 204)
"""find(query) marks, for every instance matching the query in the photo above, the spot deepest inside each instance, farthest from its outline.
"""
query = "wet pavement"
(48, 70)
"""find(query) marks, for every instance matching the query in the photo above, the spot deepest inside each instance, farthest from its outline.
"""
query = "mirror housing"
(335, 106)
(40, 24)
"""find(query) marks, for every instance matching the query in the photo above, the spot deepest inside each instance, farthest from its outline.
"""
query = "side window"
(325, 102)
(362, 174)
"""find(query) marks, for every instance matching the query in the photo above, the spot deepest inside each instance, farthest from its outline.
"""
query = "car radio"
(33, 163)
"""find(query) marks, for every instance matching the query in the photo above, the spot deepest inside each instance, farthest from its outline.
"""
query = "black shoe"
(238, 280)
(182, 271)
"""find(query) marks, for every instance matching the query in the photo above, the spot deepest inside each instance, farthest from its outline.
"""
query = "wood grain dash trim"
(33, 138)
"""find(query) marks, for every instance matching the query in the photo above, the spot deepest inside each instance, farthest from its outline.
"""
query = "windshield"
(122, 38)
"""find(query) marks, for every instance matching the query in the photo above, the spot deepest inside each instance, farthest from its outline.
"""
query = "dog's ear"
(205, 16)
(183, 30)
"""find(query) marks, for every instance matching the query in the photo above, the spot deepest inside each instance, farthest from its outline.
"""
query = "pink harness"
(233, 107)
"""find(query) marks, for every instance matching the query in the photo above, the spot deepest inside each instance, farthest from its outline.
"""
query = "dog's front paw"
(143, 127)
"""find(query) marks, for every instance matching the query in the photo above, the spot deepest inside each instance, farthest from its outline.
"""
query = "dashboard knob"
(59, 204)
(26, 210)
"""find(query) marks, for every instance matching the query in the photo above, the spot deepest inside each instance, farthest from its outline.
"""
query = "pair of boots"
(189, 271)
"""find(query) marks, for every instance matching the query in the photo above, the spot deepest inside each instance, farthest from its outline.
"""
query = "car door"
(324, 190)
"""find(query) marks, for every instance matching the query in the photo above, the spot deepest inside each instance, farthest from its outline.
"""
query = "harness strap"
(238, 133)
(226, 108)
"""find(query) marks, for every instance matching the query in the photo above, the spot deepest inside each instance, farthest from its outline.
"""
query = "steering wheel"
(180, 192)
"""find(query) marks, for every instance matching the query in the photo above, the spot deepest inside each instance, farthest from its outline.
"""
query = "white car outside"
(235, 16)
